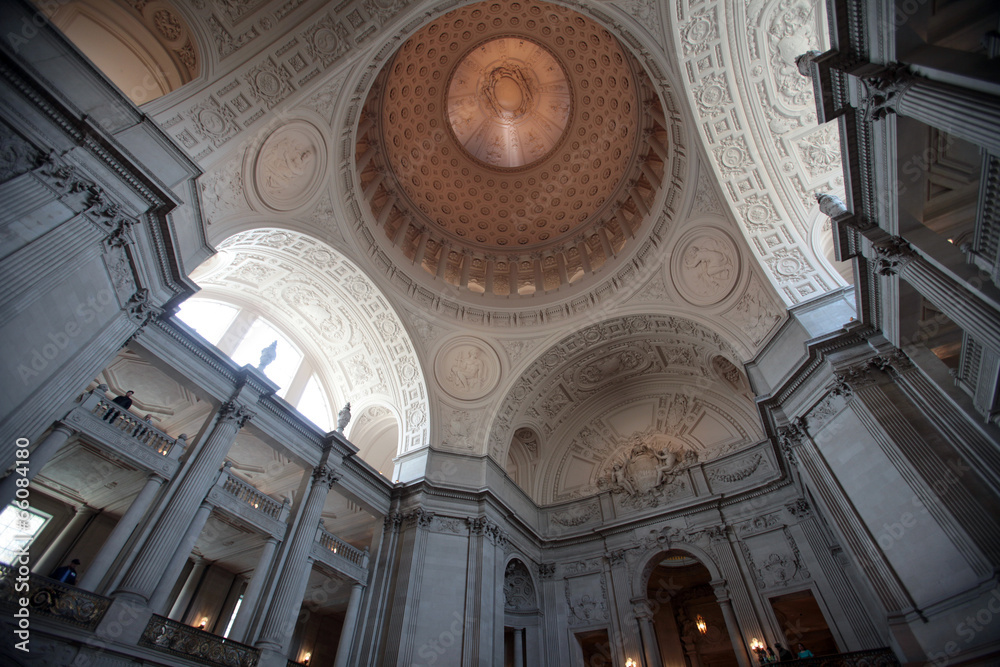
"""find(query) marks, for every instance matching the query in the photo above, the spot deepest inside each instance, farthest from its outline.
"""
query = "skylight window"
(314, 405)
(18, 531)
(282, 369)
(210, 319)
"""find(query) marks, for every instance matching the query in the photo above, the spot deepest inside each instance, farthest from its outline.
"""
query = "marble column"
(56, 553)
(119, 536)
(519, 647)
(37, 459)
(960, 304)
(153, 559)
(961, 112)
(252, 594)
(179, 556)
(187, 591)
(279, 622)
(722, 597)
(346, 642)
(647, 633)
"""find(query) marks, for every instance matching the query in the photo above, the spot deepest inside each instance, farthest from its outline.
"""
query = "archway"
(687, 618)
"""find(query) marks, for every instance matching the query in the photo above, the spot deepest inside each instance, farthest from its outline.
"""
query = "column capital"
(892, 255)
(325, 474)
(720, 589)
(883, 88)
(642, 610)
(231, 411)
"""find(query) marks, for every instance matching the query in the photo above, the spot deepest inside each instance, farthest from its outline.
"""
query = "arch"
(147, 51)
(520, 588)
(653, 556)
(358, 345)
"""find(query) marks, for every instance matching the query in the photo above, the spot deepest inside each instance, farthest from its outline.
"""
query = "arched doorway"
(687, 618)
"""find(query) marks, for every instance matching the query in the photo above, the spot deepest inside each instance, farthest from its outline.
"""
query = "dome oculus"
(509, 102)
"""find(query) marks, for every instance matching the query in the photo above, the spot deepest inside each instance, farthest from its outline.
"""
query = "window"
(18, 529)
(210, 319)
(314, 405)
(286, 362)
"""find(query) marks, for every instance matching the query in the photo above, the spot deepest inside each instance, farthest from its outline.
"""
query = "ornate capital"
(327, 475)
(616, 557)
(883, 90)
(799, 509)
(139, 308)
(235, 412)
(894, 363)
(720, 589)
(546, 570)
(892, 255)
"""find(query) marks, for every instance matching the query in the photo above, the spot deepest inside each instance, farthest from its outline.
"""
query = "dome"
(510, 150)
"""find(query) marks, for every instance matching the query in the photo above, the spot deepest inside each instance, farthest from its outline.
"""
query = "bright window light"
(18, 530)
(232, 617)
(315, 406)
(210, 319)
(282, 369)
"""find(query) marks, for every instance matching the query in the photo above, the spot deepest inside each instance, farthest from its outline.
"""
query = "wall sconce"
(755, 644)
(307, 658)
(204, 623)
(631, 663)
(701, 624)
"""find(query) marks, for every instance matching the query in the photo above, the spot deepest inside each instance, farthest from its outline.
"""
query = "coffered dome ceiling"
(509, 149)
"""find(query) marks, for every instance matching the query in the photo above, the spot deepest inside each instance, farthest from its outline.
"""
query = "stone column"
(960, 304)
(722, 597)
(158, 600)
(647, 633)
(252, 594)
(187, 591)
(279, 622)
(148, 567)
(39, 456)
(350, 626)
(56, 552)
(119, 536)
(519, 647)
(961, 112)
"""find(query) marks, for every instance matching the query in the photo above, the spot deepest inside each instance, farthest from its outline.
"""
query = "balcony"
(234, 496)
(52, 599)
(167, 636)
(105, 423)
(341, 556)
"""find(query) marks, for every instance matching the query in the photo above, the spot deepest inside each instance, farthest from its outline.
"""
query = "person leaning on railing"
(124, 402)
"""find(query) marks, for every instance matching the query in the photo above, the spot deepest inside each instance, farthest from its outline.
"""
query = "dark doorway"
(596, 648)
(802, 620)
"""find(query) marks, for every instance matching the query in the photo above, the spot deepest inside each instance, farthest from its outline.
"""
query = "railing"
(47, 597)
(170, 636)
(246, 493)
(126, 423)
(878, 657)
(351, 554)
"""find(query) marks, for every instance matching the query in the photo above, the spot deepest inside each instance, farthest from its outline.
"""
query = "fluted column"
(350, 626)
(722, 597)
(279, 622)
(961, 112)
(650, 647)
(187, 591)
(252, 594)
(518, 647)
(148, 567)
(961, 305)
(178, 557)
(37, 459)
(119, 536)
(55, 553)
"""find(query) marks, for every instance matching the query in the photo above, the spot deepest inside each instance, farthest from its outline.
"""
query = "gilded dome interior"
(508, 149)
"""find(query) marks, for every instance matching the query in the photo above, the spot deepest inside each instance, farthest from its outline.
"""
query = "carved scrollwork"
(892, 255)
(236, 412)
(883, 90)
(326, 475)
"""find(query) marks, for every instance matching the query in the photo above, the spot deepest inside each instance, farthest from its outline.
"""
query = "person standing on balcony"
(67, 573)
(125, 402)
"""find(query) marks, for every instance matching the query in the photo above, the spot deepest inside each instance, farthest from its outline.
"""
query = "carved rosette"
(467, 368)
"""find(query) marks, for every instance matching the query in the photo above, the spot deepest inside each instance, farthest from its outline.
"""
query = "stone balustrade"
(136, 431)
(340, 556)
(50, 598)
(163, 634)
(251, 496)
(332, 543)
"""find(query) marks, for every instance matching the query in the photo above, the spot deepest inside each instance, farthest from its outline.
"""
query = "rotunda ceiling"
(508, 149)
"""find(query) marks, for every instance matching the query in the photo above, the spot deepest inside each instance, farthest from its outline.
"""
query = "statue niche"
(645, 470)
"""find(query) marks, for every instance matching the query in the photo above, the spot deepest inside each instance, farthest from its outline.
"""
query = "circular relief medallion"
(705, 266)
(467, 368)
(290, 166)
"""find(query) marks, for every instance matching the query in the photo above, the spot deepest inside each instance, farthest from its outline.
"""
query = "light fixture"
(630, 663)
(204, 623)
(755, 644)
(307, 658)
(702, 625)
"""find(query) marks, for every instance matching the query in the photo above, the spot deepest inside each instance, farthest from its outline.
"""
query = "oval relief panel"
(290, 166)
(705, 266)
(467, 368)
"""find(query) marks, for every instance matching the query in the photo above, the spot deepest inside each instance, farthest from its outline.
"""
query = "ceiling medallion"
(509, 102)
